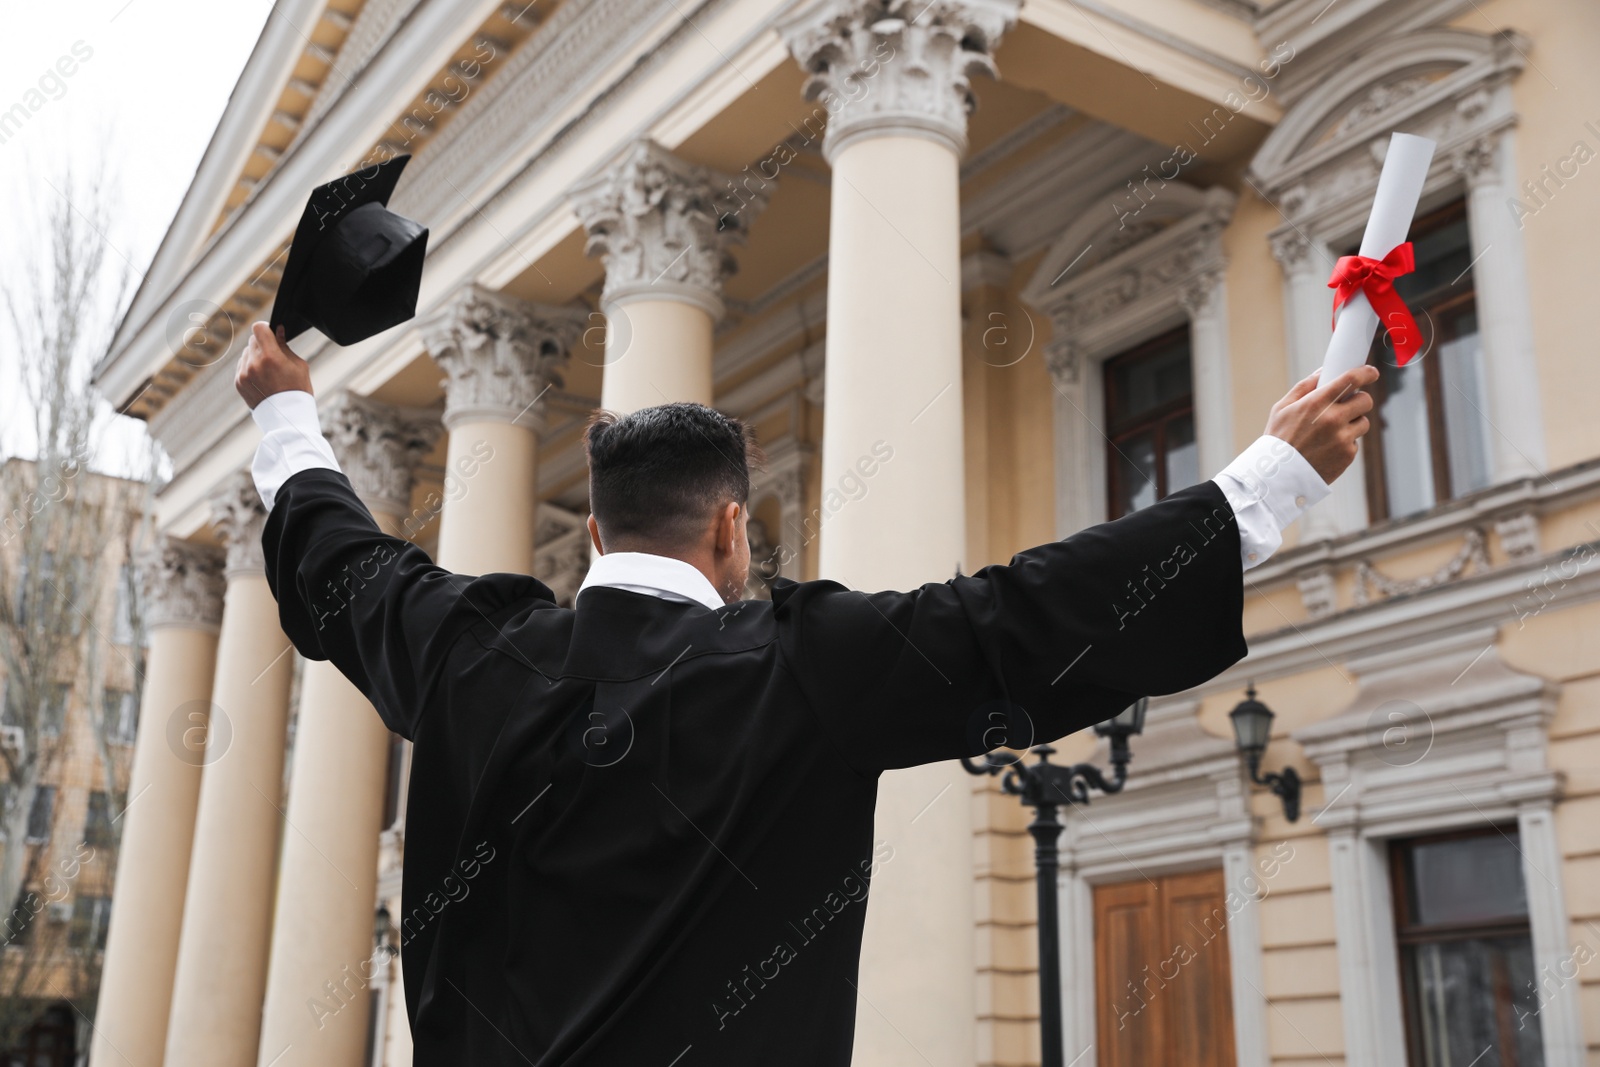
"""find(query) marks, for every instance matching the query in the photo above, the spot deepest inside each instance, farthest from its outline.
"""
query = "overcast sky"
(147, 98)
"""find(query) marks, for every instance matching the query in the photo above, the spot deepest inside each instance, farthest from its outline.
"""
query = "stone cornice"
(182, 586)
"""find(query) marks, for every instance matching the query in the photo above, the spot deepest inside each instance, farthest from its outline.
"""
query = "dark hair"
(656, 475)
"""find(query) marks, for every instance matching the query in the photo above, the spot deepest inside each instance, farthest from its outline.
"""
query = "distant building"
(958, 335)
(70, 685)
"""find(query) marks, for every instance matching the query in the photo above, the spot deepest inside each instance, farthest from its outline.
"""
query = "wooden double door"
(1163, 978)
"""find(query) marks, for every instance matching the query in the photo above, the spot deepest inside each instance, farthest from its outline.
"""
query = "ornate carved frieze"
(1179, 264)
(1321, 164)
(1372, 583)
(1198, 295)
(664, 227)
(1064, 360)
(1519, 534)
(500, 355)
(893, 65)
(239, 516)
(1317, 591)
(378, 445)
(1478, 160)
(182, 585)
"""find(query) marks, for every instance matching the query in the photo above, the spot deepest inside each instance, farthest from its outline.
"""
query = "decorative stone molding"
(1100, 306)
(1063, 358)
(664, 227)
(892, 66)
(1321, 163)
(500, 355)
(1372, 583)
(1478, 160)
(239, 516)
(561, 551)
(1318, 592)
(784, 479)
(182, 585)
(1443, 735)
(1198, 296)
(1292, 249)
(1519, 534)
(379, 445)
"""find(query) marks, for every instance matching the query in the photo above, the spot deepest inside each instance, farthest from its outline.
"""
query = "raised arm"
(375, 605)
(1071, 632)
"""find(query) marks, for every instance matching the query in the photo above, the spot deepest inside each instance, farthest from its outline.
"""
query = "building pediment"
(1440, 726)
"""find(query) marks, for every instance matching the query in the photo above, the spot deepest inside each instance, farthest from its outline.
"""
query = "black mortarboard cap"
(354, 267)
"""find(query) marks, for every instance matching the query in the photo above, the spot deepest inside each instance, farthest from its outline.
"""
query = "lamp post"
(1044, 787)
(1252, 729)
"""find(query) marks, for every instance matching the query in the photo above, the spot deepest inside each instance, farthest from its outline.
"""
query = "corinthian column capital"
(500, 355)
(664, 227)
(238, 514)
(894, 66)
(378, 445)
(181, 585)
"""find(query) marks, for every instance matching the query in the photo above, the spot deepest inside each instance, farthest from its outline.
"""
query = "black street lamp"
(1252, 729)
(1044, 786)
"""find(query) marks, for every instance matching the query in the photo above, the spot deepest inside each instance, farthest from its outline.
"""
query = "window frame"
(1156, 419)
(1408, 932)
(1450, 297)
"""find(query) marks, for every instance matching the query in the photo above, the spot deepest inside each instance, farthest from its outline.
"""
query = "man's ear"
(594, 535)
(728, 527)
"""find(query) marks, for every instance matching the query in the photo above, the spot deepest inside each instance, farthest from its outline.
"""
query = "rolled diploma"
(1405, 168)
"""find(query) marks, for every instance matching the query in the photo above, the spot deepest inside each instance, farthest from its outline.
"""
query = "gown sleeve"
(374, 605)
(1064, 636)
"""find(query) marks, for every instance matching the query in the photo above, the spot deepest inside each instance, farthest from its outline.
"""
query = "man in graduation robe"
(660, 802)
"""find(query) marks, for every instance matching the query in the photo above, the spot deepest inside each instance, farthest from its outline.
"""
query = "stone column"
(1205, 300)
(663, 228)
(182, 588)
(222, 954)
(1308, 319)
(500, 356)
(1505, 317)
(894, 79)
(322, 961)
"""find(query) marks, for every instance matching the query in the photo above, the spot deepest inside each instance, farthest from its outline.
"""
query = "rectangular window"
(42, 812)
(122, 625)
(90, 916)
(1150, 423)
(1430, 439)
(1466, 959)
(119, 709)
(53, 708)
(97, 827)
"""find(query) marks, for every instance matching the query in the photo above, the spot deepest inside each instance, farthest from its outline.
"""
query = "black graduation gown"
(642, 829)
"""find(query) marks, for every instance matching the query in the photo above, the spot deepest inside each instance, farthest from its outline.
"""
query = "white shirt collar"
(662, 576)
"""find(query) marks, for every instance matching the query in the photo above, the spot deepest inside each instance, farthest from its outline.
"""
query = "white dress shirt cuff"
(1268, 486)
(291, 442)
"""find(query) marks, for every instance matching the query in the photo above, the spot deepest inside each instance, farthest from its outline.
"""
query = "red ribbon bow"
(1376, 277)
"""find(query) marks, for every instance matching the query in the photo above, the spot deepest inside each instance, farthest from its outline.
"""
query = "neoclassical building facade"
(980, 273)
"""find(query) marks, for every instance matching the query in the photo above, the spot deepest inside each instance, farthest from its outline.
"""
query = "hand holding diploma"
(1365, 282)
